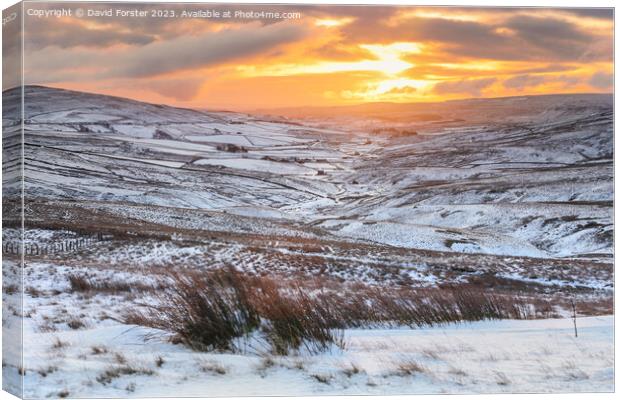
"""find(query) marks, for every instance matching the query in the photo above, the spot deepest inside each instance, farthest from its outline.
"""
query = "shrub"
(206, 311)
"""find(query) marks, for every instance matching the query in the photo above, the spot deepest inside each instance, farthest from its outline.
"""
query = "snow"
(135, 130)
(169, 146)
(481, 357)
(280, 168)
(430, 237)
(232, 139)
(164, 163)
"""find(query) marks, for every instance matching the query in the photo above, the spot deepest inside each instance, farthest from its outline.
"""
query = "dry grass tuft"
(119, 358)
(96, 350)
(323, 378)
(211, 310)
(408, 368)
(107, 376)
(159, 361)
(205, 311)
(82, 284)
(213, 367)
(457, 371)
(76, 323)
(59, 344)
(501, 379)
(293, 320)
(351, 370)
(44, 372)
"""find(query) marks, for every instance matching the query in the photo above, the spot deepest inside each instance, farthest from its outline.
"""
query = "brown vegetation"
(83, 284)
(206, 311)
(210, 310)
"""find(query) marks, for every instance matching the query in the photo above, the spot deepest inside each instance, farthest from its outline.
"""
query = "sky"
(326, 56)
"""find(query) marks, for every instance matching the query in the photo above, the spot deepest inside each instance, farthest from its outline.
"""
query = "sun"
(386, 59)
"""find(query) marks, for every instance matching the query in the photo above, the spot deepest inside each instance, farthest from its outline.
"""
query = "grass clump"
(213, 368)
(107, 376)
(205, 311)
(294, 320)
(82, 284)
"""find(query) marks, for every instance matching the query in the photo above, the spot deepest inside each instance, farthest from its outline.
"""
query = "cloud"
(161, 57)
(62, 34)
(96, 32)
(550, 37)
(462, 51)
(547, 68)
(602, 80)
(520, 37)
(599, 13)
(178, 89)
(204, 50)
(402, 90)
(471, 87)
(341, 52)
(11, 48)
(520, 82)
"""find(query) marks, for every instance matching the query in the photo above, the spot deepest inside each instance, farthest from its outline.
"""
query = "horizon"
(261, 110)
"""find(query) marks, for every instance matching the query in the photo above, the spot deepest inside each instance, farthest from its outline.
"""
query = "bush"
(206, 311)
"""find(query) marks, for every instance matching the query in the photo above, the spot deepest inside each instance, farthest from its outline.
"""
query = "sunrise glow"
(328, 58)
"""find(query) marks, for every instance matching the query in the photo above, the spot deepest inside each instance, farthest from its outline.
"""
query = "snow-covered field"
(480, 357)
(508, 196)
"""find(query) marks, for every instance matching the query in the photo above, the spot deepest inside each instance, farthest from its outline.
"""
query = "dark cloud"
(201, 51)
(552, 37)
(367, 13)
(602, 80)
(599, 13)
(53, 64)
(547, 68)
(471, 87)
(52, 32)
(520, 82)
(107, 31)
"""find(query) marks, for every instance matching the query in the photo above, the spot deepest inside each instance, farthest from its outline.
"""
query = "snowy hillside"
(540, 188)
(401, 232)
